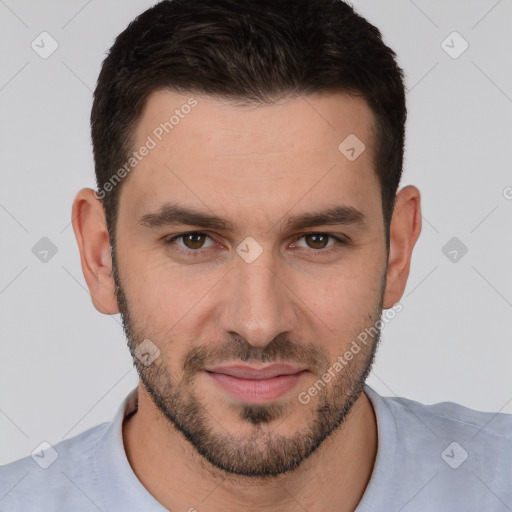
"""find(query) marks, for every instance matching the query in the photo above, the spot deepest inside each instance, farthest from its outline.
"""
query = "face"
(251, 252)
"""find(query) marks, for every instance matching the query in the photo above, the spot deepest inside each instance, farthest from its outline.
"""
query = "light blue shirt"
(430, 458)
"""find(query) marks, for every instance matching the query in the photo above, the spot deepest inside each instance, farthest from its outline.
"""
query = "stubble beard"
(263, 453)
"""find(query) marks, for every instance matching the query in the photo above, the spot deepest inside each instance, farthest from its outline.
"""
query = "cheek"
(168, 299)
(163, 295)
(345, 303)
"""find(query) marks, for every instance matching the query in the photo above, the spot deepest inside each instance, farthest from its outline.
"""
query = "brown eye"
(193, 240)
(317, 240)
(320, 242)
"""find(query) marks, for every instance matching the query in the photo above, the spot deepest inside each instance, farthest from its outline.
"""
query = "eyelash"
(198, 252)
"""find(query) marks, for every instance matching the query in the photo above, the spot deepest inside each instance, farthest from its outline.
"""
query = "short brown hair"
(253, 51)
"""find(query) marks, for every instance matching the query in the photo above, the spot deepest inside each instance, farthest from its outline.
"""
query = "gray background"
(64, 367)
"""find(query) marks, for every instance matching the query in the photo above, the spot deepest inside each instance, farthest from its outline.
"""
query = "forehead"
(238, 159)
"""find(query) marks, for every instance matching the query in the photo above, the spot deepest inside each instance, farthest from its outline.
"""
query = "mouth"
(256, 385)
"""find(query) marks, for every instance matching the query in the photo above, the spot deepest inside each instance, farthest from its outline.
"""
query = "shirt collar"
(125, 491)
(121, 488)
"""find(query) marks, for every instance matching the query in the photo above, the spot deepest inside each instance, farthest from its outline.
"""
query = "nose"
(258, 302)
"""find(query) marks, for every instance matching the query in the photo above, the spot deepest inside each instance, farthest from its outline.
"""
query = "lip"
(249, 384)
(256, 373)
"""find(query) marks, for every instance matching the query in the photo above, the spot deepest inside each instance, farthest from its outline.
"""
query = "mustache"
(280, 349)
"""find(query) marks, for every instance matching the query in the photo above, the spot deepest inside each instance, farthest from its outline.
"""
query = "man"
(249, 228)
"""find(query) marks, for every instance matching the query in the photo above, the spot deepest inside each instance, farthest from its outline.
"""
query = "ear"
(405, 229)
(90, 227)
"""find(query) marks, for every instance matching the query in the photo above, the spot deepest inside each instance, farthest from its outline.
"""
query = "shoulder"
(440, 453)
(463, 444)
(453, 419)
(52, 475)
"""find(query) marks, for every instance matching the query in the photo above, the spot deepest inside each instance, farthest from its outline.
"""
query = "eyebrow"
(173, 214)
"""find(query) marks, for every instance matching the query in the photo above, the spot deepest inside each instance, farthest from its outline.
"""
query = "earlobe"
(89, 225)
(404, 232)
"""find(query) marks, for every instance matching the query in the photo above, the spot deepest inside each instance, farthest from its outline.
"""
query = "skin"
(255, 166)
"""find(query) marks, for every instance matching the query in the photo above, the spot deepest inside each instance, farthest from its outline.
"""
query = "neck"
(335, 476)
